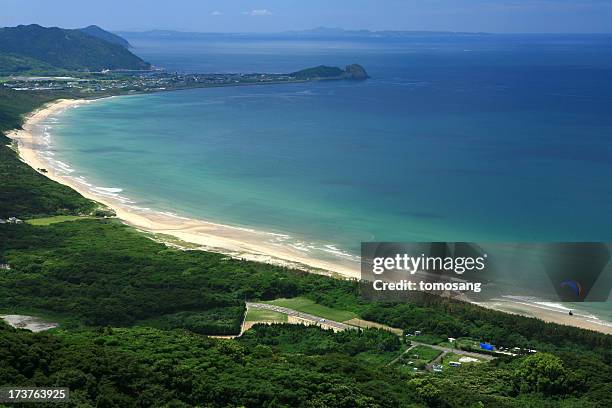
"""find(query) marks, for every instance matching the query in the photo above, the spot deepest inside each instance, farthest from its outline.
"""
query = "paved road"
(305, 316)
(456, 351)
(342, 326)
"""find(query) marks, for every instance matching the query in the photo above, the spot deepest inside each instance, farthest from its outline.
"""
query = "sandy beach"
(548, 312)
(236, 242)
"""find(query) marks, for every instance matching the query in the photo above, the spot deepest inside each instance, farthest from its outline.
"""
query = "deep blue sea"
(454, 138)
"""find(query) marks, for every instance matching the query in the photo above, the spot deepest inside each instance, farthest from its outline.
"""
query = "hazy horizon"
(312, 29)
(273, 16)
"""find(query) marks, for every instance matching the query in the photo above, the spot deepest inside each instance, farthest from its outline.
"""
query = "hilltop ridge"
(32, 47)
(95, 31)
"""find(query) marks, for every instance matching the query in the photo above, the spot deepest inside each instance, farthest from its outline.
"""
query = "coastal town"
(143, 82)
(109, 82)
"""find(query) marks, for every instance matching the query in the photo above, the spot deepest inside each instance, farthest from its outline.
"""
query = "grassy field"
(429, 339)
(367, 324)
(255, 315)
(448, 357)
(308, 306)
(423, 353)
(416, 359)
(461, 342)
(53, 220)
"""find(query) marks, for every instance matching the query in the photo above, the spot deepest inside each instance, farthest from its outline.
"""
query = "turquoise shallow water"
(503, 138)
(508, 154)
(324, 161)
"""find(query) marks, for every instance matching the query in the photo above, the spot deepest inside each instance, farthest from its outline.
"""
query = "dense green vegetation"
(98, 273)
(321, 71)
(102, 273)
(312, 340)
(424, 353)
(66, 49)
(277, 366)
(213, 321)
(53, 220)
(18, 64)
(147, 367)
(25, 193)
(14, 105)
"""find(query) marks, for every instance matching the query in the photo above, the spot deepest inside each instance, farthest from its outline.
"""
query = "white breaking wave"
(108, 189)
(173, 215)
(554, 306)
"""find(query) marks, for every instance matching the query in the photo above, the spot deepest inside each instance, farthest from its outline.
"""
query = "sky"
(505, 16)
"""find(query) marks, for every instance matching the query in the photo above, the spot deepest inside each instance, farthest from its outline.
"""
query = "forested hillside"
(96, 31)
(25, 193)
(64, 49)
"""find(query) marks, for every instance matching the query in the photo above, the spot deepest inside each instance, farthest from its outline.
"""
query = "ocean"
(490, 138)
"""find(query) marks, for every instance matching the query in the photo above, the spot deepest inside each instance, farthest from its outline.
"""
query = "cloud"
(259, 12)
(216, 13)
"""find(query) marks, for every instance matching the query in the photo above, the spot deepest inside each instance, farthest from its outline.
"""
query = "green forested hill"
(66, 49)
(96, 31)
(353, 71)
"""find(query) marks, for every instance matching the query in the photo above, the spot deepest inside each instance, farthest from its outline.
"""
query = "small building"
(2, 221)
(437, 368)
(14, 220)
(454, 364)
(5, 266)
(451, 339)
(417, 332)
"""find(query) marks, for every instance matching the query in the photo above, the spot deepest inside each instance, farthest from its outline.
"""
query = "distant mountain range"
(35, 48)
(340, 32)
(320, 32)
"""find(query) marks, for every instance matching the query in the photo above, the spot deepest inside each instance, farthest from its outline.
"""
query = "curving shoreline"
(236, 242)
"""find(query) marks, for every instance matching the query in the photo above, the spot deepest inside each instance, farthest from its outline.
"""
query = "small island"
(352, 71)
